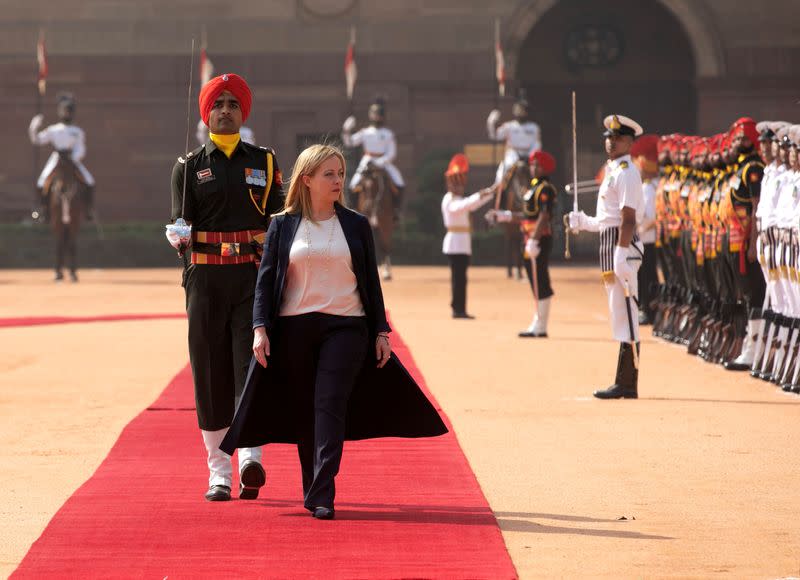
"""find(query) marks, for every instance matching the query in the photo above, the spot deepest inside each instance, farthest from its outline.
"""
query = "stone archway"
(694, 16)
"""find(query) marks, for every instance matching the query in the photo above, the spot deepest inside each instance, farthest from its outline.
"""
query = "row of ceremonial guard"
(727, 232)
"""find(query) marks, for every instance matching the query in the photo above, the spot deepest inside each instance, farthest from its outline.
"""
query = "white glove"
(349, 124)
(179, 235)
(577, 221)
(532, 248)
(36, 122)
(503, 216)
(493, 118)
(622, 269)
(33, 128)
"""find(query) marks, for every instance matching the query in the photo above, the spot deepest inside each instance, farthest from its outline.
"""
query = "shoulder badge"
(623, 165)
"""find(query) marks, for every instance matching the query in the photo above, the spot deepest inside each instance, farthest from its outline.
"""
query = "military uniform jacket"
(745, 186)
(540, 197)
(227, 195)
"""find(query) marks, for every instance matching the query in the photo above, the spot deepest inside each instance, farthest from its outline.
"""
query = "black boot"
(627, 380)
(762, 347)
(88, 198)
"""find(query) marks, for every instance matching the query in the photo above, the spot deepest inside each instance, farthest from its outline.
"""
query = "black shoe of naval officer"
(251, 478)
(463, 315)
(218, 493)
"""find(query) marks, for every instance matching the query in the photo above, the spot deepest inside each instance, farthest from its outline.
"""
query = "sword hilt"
(567, 254)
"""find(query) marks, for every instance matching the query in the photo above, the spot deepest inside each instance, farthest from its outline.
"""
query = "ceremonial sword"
(567, 254)
(180, 229)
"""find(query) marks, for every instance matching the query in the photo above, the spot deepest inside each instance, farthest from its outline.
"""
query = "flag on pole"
(206, 66)
(350, 69)
(499, 60)
(41, 57)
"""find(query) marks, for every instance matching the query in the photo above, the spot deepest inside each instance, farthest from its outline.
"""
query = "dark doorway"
(630, 57)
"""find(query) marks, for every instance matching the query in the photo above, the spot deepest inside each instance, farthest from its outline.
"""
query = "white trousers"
(618, 306)
(391, 170)
(220, 469)
(52, 161)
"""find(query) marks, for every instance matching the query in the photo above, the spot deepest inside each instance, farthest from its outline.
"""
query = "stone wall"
(128, 61)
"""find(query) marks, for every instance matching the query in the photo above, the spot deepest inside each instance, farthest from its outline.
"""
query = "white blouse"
(320, 275)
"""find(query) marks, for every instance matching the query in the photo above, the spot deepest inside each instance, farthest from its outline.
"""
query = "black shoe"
(617, 392)
(796, 389)
(787, 388)
(251, 479)
(463, 315)
(218, 493)
(531, 334)
(323, 513)
(734, 366)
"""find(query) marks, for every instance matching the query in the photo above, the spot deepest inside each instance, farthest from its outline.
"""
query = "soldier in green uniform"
(231, 190)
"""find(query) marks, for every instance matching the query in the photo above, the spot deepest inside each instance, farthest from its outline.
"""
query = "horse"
(67, 207)
(375, 200)
(515, 183)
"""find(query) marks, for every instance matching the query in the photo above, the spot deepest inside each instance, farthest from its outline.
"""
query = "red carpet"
(405, 509)
(40, 320)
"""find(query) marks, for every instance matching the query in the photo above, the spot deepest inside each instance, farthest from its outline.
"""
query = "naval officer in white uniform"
(620, 208)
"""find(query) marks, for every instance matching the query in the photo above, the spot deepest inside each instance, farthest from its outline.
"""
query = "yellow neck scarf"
(225, 143)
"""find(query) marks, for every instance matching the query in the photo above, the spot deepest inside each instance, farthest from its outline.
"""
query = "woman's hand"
(261, 345)
(382, 349)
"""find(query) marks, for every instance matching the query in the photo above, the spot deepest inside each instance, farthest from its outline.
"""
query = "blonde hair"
(298, 199)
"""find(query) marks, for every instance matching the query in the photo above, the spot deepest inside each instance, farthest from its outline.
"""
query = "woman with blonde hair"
(322, 368)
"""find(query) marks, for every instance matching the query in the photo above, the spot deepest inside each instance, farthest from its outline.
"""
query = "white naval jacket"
(621, 187)
(455, 213)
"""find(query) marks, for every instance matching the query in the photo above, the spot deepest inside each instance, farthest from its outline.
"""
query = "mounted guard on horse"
(69, 141)
(377, 183)
(521, 137)
(66, 188)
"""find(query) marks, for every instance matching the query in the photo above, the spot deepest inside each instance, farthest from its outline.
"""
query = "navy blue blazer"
(275, 262)
(384, 402)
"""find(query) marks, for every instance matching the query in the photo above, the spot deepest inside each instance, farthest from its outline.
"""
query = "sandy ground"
(706, 461)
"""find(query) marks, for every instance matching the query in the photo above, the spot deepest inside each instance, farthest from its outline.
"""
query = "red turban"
(747, 126)
(645, 152)
(216, 86)
(546, 161)
(458, 165)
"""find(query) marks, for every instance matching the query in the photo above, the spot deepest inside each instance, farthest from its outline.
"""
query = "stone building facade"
(674, 65)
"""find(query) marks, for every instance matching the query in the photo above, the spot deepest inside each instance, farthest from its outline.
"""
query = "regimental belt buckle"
(229, 249)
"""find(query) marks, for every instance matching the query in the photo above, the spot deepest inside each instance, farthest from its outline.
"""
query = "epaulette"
(623, 165)
(268, 149)
(189, 155)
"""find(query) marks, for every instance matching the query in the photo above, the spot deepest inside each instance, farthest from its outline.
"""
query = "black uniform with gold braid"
(229, 201)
